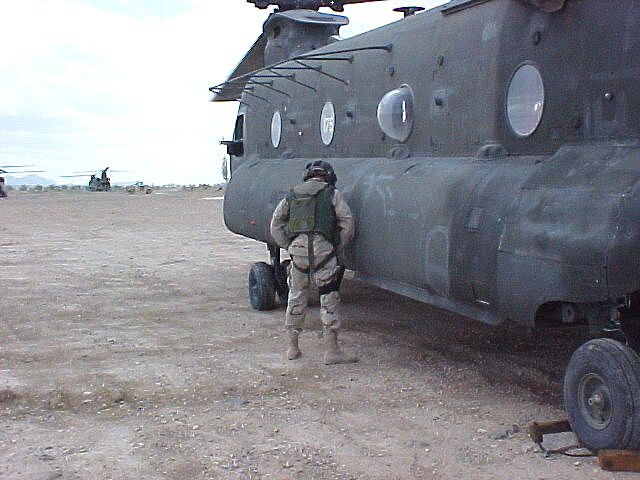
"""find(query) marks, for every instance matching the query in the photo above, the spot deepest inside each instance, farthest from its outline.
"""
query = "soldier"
(3, 193)
(314, 223)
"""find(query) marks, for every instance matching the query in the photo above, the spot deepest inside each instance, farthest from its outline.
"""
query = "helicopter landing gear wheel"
(262, 286)
(602, 395)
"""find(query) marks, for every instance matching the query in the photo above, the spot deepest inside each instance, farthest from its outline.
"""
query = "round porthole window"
(327, 123)
(395, 113)
(276, 129)
(525, 100)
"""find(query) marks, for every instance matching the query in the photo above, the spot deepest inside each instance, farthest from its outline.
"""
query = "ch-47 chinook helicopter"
(489, 150)
(3, 193)
(98, 182)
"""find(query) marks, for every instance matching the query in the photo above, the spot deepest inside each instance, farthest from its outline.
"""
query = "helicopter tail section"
(232, 89)
(286, 35)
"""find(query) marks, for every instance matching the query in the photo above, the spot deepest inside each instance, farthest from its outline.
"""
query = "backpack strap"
(320, 265)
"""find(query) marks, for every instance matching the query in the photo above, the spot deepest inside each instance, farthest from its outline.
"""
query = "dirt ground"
(129, 351)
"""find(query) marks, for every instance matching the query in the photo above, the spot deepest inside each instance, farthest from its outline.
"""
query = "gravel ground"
(129, 351)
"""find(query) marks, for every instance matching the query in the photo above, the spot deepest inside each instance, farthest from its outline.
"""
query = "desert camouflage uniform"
(299, 282)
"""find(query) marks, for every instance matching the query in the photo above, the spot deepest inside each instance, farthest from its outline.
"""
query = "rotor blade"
(16, 166)
(26, 171)
(73, 176)
(100, 171)
(337, 4)
(283, 5)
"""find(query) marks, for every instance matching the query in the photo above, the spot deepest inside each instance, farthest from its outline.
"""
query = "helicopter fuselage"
(469, 213)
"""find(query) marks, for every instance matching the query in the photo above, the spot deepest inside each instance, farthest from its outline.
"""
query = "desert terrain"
(128, 350)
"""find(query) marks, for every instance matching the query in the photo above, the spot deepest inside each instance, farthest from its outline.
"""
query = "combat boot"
(333, 354)
(293, 351)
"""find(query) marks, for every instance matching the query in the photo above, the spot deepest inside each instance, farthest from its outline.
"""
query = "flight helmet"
(320, 168)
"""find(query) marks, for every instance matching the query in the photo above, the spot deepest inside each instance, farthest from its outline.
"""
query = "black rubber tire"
(616, 367)
(262, 286)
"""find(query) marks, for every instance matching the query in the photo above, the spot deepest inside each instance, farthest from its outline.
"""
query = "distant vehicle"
(489, 150)
(138, 187)
(3, 192)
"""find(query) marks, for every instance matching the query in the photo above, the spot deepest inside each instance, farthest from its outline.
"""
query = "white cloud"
(86, 84)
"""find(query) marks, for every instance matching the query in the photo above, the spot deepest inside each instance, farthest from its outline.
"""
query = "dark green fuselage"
(466, 214)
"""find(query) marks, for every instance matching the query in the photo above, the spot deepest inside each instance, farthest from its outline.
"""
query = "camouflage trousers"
(299, 283)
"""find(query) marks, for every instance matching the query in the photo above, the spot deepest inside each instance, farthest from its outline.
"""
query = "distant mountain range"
(28, 180)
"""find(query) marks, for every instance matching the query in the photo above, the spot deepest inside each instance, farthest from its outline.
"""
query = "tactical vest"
(311, 211)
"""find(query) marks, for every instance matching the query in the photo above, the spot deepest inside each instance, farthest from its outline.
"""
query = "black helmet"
(320, 168)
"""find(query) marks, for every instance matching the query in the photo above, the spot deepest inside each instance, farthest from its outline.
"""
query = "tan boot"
(333, 354)
(293, 351)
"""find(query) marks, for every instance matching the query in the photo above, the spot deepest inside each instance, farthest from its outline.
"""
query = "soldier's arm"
(344, 218)
(278, 223)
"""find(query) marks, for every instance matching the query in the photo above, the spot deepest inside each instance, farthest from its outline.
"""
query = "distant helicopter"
(490, 152)
(98, 182)
(3, 192)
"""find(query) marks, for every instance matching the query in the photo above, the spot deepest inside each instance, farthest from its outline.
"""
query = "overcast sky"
(86, 84)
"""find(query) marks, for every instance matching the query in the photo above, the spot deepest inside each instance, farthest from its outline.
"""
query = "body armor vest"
(311, 211)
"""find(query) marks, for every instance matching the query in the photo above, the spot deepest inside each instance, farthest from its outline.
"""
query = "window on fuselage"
(395, 113)
(238, 131)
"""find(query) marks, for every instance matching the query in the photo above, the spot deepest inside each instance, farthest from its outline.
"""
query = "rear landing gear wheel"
(602, 395)
(262, 286)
